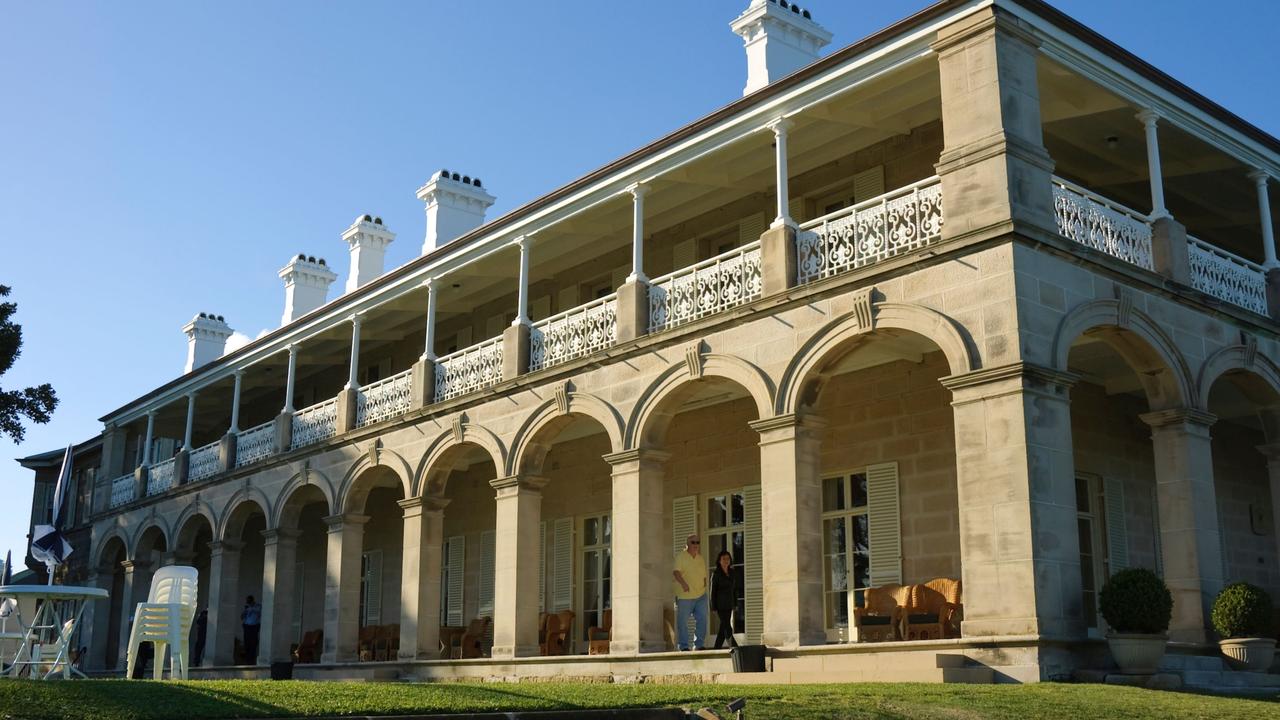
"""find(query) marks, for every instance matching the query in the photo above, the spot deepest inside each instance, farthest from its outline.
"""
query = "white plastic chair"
(165, 620)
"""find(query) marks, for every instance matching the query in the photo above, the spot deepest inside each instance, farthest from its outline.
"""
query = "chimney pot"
(206, 339)
(367, 240)
(306, 286)
(777, 42)
(455, 205)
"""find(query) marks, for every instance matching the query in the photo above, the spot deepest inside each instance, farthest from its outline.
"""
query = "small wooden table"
(58, 612)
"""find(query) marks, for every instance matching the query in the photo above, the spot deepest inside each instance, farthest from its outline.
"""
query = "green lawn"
(112, 699)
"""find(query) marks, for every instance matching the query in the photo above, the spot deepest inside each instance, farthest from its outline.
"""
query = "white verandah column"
(353, 371)
(638, 192)
(235, 403)
(1260, 179)
(1149, 118)
(780, 128)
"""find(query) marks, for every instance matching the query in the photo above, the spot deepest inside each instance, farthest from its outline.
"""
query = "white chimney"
(368, 240)
(455, 206)
(781, 38)
(306, 285)
(206, 339)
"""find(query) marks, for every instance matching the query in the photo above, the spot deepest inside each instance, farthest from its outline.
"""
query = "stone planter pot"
(1137, 653)
(1251, 654)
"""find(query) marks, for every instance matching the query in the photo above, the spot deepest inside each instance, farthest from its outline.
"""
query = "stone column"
(420, 577)
(1271, 451)
(641, 584)
(127, 606)
(227, 445)
(1015, 474)
(515, 339)
(1169, 251)
(279, 557)
(515, 566)
(96, 621)
(994, 169)
(791, 530)
(111, 467)
(1149, 118)
(424, 371)
(224, 606)
(1189, 536)
(342, 587)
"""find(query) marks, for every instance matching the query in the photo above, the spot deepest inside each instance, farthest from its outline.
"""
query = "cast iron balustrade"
(1227, 277)
(707, 288)
(314, 424)
(574, 333)
(1105, 226)
(122, 490)
(384, 399)
(203, 462)
(897, 222)
(469, 369)
(160, 476)
(256, 443)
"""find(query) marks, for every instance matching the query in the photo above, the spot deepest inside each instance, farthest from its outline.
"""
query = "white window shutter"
(1117, 534)
(542, 566)
(456, 560)
(486, 573)
(884, 524)
(795, 208)
(299, 592)
(562, 557)
(373, 587)
(567, 298)
(495, 325)
(868, 184)
(750, 228)
(1155, 531)
(684, 254)
(464, 338)
(684, 521)
(753, 572)
(1222, 545)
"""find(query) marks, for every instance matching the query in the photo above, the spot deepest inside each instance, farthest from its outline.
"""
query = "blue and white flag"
(47, 543)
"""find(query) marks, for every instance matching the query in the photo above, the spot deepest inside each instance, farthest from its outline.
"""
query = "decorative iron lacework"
(203, 462)
(160, 476)
(469, 369)
(574, 333)
(122, 489)
(255, 443)
(897, 222)
(1227, 277)
(384, 399)
(1105, 226)
(316, 423)
(706, 288)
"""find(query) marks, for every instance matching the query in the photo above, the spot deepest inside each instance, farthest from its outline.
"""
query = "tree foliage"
(34, 403)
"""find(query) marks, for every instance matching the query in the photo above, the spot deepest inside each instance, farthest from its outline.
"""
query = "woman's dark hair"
(724, 553)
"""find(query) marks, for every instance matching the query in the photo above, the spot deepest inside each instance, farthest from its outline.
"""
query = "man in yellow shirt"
(690, 588)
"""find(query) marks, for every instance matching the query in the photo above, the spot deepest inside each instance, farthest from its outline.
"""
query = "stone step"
(1182, 663)
(1229, 680)
(969, 675)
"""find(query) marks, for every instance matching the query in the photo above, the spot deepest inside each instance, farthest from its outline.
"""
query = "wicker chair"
(555, 640)
(308, 651)
(471, 643)
(934, 610)
(598, 637)
(880, 617)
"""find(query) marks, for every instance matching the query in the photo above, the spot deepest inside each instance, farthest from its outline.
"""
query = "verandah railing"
(706, 288)
(574, 333)
(384, 399)
(469, 369)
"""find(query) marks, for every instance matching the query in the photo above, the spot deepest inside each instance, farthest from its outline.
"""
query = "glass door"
(727, 530)
(1093, 571)
(846, 549)
(597, 565)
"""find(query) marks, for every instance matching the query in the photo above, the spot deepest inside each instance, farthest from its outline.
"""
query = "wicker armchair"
(880, 617)
(934, 611)
(470, 644)
(555, 640)
(598, 637)
(308, 651)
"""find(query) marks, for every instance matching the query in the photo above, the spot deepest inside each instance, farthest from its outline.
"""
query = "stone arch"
(234, 512)
(104, 543)
(287, 504)
(352, 492)
(156, 524)
(652, 411)
(548, 419)
(430, 476)
(1148, 350)
(854, 326)
(1237, 358)
(185, 528)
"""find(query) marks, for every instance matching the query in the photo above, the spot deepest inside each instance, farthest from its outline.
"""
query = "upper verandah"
(800, 95)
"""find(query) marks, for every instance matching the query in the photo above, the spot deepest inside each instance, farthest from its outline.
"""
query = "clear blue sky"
(159, 159)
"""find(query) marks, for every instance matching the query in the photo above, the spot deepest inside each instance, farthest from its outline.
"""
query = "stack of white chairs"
(165, 620)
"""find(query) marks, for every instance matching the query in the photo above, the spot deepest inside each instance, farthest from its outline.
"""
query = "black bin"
(281, 671)
(748, 658)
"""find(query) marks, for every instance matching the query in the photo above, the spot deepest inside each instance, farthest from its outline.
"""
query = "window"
(726, 530)
(1089, 523)
(846, 547)
(370, 588)
(597, 569)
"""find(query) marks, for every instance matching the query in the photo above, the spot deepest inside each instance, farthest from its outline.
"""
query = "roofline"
(53, 457)
(758, 97)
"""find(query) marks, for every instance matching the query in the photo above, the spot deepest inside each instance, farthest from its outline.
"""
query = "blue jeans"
(698, 608)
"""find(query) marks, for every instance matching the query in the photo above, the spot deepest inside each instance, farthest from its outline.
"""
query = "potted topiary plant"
(1137, 606)
(1242, 616)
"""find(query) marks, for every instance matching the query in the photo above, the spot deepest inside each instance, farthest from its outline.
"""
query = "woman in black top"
(724, 597)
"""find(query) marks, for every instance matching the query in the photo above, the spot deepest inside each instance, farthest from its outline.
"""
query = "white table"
(58, 611)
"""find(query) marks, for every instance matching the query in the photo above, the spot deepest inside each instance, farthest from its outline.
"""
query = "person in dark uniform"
(724, 597)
